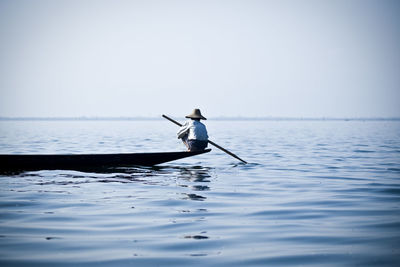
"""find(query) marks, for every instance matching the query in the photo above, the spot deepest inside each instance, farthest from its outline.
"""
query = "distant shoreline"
(210, 118)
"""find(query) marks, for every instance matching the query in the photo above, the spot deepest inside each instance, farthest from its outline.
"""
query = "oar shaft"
(209, 141)
(226, 151)
(174, 121)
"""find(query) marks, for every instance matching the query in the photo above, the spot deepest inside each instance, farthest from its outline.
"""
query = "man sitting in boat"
(194, 133)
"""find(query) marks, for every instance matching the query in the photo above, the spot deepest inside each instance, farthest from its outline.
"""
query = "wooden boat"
(15, 162)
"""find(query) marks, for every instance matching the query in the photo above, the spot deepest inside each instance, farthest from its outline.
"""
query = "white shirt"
(195, 130)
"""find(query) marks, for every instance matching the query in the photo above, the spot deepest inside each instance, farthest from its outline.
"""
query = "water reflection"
(191, 177)
(194, 197)
(195, 179)
(195, 174)
(200, 188)
(198, 237)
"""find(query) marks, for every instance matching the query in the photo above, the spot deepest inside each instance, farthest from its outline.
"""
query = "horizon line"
(228, 118)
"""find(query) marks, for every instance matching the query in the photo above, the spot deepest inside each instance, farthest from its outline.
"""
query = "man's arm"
(183, 130)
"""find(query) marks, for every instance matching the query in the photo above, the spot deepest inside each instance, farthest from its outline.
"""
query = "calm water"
(321, 193)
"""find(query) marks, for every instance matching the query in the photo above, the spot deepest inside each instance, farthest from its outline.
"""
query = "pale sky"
(300, 58)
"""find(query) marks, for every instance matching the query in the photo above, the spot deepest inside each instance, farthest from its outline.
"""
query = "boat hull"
(15, 162)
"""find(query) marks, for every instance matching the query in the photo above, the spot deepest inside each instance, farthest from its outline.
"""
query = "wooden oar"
(209, 141)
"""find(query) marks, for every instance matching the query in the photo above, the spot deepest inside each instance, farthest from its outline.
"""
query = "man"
(194, 133)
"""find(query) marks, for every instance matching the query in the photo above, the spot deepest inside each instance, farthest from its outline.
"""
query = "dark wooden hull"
(88, 161)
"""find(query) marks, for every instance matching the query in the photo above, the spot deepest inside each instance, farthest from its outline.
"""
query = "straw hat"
(196, 114)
